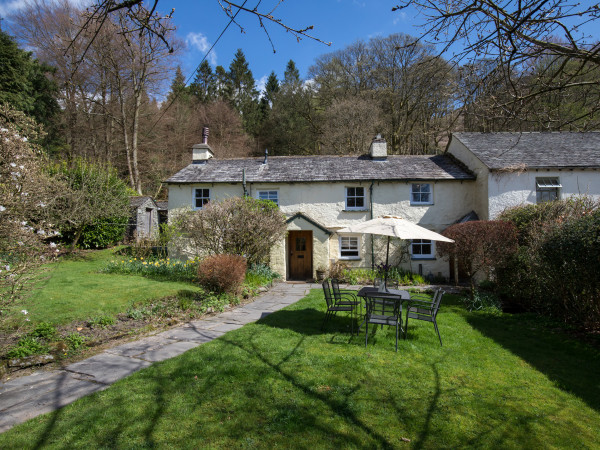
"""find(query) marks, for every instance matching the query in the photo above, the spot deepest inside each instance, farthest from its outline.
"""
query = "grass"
(73, 289)
(499, 381)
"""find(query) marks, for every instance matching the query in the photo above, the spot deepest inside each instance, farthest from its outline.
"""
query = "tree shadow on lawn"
(572, 365)
(308, 321)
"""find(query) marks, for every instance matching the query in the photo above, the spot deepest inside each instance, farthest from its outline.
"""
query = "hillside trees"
(408, 88)
(24, 85)
(103, 82)
(540, 49)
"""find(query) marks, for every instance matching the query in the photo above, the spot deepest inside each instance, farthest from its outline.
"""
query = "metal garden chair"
(333, 306)
(383, 311)
(421, 309)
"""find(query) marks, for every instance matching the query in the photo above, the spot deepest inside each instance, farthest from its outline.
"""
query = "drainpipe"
(244, 182)
(371, 209)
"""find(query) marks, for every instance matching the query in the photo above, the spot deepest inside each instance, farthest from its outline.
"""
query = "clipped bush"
(572, 257)
(222, 273)
(553, 272)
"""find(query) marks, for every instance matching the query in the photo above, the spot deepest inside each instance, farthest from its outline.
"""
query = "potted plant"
(321, 270)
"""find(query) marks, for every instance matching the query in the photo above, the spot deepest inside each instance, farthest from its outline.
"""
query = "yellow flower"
(129, 260)
(141, 258)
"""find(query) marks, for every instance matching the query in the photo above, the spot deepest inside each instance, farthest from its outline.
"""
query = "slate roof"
(287, 169)
(162, 205)
(534, 150)
(136, 202)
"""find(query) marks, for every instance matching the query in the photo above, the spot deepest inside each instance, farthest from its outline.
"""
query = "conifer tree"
(204, 86)
(178, 90)
(243, 93)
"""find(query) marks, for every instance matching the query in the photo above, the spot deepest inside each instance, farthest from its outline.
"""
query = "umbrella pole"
(387, 257)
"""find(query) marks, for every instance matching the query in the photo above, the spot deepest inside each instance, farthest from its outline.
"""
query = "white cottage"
(515, 169)
(322, 194)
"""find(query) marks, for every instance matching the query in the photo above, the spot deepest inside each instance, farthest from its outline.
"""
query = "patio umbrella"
(392, 226)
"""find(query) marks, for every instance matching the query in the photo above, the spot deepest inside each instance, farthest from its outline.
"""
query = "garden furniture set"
(383, 306)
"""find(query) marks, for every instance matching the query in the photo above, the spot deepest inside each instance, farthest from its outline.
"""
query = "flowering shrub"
(27, 205)
(161, 269)
(222, 273)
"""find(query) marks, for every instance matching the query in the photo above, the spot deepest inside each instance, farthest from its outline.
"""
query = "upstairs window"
(547, 189)
(269, 195)
(201, 198)
(421, 194)
(422, 248)
(349, 247)
(355, 198)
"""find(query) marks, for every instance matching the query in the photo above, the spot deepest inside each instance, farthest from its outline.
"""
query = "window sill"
(421, 204)
(425, 258)
(355, 210)
(350, 258)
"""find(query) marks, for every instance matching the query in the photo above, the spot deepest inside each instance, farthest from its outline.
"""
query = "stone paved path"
(26, 397)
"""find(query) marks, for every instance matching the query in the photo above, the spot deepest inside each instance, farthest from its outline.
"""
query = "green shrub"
(75, 341)
(27, 346)
(483, 301)
(103, 233)
(222, 273)
(572, 257)
(101, 322)
(44, 330)
(554, 272)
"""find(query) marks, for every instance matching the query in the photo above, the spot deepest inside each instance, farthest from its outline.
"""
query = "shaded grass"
(281, 382)
(73, 289)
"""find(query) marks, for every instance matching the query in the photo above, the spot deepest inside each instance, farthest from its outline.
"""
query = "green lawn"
(499, 381)
(73, 289)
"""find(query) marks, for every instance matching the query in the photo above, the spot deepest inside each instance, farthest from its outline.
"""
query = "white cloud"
(10, 7)
(199, 42)
(260, 84)
(400, 17)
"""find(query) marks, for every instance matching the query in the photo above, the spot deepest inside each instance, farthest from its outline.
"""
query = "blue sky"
(340, 22)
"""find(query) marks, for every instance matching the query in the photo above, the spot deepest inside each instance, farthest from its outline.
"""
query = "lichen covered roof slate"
(290, 169)
(545, 150)
(136, 202)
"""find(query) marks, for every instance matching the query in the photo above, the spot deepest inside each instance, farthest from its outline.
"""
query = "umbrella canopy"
(394, 227)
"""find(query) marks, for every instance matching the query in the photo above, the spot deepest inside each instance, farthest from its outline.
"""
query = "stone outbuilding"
(144, 217)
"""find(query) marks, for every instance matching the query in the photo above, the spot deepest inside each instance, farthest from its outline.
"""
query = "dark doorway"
(300, 255)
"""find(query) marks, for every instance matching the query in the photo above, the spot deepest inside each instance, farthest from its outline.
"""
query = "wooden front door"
(300, 254)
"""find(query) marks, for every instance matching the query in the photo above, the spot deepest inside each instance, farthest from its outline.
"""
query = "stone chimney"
(378, 149)
(202, 152)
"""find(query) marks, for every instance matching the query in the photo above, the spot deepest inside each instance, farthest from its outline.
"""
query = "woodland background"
(116, 96)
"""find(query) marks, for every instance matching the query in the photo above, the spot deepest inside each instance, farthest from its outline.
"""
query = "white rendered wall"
(508, 189)
(480, 186)
(325, 204)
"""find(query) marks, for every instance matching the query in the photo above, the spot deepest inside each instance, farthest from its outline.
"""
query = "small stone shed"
(144, 217)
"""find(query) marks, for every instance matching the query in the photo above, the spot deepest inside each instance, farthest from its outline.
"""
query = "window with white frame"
(201, 197)
(421, 248)
(355, 198)
(421, 194)
(269, 195)
(349, 247)
(547, 189)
